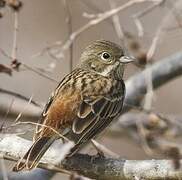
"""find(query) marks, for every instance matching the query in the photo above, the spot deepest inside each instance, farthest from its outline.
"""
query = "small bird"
(84, 103)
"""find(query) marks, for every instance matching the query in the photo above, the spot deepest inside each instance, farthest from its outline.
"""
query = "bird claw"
(100, 154)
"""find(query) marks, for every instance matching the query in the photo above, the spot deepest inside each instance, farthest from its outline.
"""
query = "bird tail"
(34, 154)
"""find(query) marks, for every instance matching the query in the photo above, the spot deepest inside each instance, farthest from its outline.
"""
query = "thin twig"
(159, 34)
(96, 9)
(20, 96)
(176, 12)
(41, 125)
(117, 26)
(28, 67)
(15, 38)
(3, 52)
(39, 73)
(148, 9)
(140, 14)
(70, 29)
(139, 26)
(142, 134)
(24, 108)
(100, 18)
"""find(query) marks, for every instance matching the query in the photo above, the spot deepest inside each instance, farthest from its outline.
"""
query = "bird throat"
(114, 70)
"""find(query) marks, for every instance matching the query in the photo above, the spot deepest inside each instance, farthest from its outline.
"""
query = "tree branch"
(162, 72)
(92, 166)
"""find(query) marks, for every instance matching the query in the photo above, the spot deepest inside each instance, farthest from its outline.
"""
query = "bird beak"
(126, 59)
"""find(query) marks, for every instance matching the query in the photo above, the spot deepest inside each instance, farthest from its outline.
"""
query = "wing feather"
(102, 111)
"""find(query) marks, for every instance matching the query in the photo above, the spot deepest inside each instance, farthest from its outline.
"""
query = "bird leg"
(102, 150)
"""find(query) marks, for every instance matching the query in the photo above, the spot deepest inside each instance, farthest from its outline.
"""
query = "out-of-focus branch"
(15, 38)
(97, 20)
(70, 29)
(20, 96)
(92, 166)
(116, 23)
(16, 64)
(140, 14)
(136, 86)
(32, 111)
(165, 125)
(160, 32)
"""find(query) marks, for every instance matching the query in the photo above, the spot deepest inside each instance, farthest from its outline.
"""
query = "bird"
(84, 103)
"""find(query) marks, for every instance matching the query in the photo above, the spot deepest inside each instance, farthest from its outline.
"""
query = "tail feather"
(34, 154)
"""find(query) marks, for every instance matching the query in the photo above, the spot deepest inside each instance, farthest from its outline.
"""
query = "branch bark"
(92, 166)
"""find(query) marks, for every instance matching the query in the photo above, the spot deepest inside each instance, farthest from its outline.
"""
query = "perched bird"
(84, 103)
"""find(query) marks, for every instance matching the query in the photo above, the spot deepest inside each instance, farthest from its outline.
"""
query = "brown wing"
(96, 114)
(52, 98)
(102, 108)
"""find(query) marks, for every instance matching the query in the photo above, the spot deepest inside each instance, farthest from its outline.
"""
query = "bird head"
(105, 58)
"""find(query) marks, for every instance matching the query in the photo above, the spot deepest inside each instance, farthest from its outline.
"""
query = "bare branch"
(93, 166)
(20, 96)
(15, 38)
(136, 86)
(140, 14)
(100, 18)
(159, 33)
(116, 23)
(39, 73)
(16, 64)
(70, 29)
(32, 112)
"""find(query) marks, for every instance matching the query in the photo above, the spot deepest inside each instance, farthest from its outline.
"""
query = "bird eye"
(105, 56)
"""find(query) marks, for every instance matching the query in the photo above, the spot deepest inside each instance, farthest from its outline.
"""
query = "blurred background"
(44, 27)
